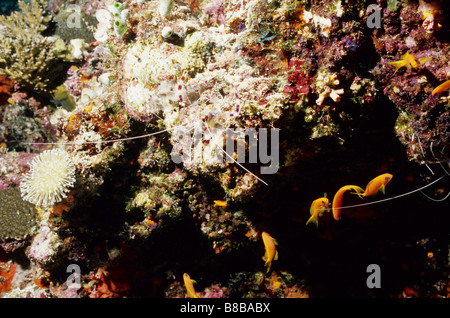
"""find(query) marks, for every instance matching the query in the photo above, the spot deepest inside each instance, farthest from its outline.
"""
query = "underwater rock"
(18, 219)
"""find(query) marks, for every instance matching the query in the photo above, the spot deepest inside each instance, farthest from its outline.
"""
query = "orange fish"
(317, 208)
(441, 88)
(222, 204)
(271, 253)
(376, 184)
(188, 283)
(339, 197)
(408, 60)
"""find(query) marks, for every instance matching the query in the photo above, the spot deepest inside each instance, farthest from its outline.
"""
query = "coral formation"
(192, 129)
(45, 247)
(18, 218)
(27, 56)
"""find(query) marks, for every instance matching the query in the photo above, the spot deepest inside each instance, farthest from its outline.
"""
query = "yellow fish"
(376, 184)
(408, 60)
(317, 208)
(441, 88)
(271, 253)
(222, 204)
(62, 97)
(339, 197)
(426, 14)
(188, 283)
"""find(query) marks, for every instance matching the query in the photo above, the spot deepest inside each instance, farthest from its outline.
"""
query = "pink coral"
(12, 167)
(216, 12)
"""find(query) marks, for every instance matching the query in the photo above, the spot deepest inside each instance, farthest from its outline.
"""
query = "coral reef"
(27, 56)
(423, 119)
(184, 132)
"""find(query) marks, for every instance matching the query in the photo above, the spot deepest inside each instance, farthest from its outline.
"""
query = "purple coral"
(13, 165)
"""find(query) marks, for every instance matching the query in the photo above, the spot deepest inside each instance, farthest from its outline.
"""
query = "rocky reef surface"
(186, 129)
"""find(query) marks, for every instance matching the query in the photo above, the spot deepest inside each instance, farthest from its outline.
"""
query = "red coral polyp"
(6, 276)
(298, 81)
(6, 87)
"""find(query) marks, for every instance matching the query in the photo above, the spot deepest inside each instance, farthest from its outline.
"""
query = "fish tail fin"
(314, 220)
(443, 87)
(358, 191)
(424, 60)
(398, 65)
(268, 265)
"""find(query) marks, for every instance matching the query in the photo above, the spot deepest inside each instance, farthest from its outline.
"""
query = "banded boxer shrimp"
(197, 125)
(420, 189)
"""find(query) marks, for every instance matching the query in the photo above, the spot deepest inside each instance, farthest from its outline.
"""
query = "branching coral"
(25, 54)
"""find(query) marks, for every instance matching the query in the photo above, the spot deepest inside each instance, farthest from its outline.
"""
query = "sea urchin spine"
(51, 176)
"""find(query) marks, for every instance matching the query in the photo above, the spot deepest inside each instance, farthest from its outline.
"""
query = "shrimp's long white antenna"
(423, 154)
(394, 197)
(234, 161)
(436, 200)
(101, 141)
(439, 162)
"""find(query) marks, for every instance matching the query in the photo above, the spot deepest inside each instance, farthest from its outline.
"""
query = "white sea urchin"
(51, 176)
